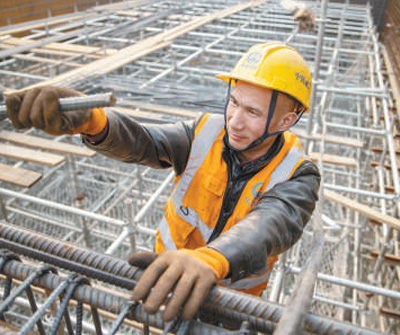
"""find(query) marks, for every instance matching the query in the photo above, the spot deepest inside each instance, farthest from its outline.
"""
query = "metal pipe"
(353, 284)
(82, 102)
(317, 65)
(61, 207)
(376, 195)
(294, 316)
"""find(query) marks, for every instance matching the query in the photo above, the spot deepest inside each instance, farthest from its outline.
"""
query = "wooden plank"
(385, 165)
(391, 313)
(387, 258)
(361, 208)
(350, 142)
(45, 22)
(78, 48)
(379, 150)
(8, 329)
(40, 43)
(333, 159)
(52, 52)
(30, 155)
(18, 176)
(46, 60)
(62, 53)
(45, 144)
(73, 48)
(394, 81)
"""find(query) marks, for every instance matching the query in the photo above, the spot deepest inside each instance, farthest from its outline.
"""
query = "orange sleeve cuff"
(96, 123)
(212, 258)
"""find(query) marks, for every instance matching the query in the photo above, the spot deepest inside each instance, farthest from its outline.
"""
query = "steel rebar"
(221, 301)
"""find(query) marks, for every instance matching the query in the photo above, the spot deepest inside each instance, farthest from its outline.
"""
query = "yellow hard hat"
(275, 66)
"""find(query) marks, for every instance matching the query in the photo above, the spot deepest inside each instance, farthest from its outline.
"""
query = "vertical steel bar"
(317, 64)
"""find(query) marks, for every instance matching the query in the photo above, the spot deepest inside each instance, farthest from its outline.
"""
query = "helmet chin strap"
(257, 142)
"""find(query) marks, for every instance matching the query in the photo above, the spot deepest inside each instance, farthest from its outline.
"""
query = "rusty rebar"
(220, 301)
(100, 299)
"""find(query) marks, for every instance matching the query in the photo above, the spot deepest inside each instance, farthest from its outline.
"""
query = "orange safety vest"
(195, 203)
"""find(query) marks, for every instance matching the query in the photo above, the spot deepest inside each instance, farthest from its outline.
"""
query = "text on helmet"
(303, 80)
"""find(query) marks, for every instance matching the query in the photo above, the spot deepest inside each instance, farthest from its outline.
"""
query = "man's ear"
(287, 121)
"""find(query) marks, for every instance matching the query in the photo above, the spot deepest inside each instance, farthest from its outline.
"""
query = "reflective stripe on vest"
(246, 283)
(200, 148)
(285, 169)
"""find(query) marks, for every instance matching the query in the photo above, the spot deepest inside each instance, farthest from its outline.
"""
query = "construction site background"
(386, 15)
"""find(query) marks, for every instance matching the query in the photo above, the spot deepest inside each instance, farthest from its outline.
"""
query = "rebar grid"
(260, 314)
(350, 124)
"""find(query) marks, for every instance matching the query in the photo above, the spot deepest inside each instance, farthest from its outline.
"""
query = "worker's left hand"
(181, 272)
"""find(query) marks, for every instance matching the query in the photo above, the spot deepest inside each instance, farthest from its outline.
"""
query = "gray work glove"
(188, 278)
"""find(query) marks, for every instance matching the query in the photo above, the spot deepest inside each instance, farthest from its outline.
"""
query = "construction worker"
(244, 189)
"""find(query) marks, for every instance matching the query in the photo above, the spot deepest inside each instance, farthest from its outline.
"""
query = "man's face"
(247, 113)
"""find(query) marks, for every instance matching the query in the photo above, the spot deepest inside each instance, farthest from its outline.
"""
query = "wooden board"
(361, 208)
(18, 176)
(379, 150)
(394, 81)
(16, 29)
(386, 166)
(30, 155)
(47, 60)
(333, 159)
(388, 258)
(73, 48)
(45, 144)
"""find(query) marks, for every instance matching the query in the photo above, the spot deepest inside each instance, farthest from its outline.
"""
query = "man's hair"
(290, 104)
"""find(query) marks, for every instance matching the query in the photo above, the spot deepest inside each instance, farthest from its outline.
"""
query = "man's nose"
(236, 119)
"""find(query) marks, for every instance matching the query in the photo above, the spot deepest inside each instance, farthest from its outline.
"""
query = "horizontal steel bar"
(61, 207)
(353, 284)
(377, 195)
(101, 299)
(220, 301)
(358, 91)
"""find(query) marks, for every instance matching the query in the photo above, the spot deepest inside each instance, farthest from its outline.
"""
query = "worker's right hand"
(39, 108)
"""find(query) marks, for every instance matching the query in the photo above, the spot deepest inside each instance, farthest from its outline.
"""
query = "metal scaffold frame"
(160, 58)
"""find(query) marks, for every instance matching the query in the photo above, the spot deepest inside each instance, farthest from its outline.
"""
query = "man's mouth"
(236, 137)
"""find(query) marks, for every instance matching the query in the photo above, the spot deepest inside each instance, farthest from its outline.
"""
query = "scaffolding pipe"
(353, 284)
(61, 207)
(293, 318)
(127, 230)
(317, 65)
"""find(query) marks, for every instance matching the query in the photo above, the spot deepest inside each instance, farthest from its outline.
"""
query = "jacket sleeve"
(156, 146)
(274, 225)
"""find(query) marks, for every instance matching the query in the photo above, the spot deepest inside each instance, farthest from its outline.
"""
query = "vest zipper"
(223, 219)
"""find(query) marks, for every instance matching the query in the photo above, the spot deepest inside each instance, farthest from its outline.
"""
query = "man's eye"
(233, 102)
